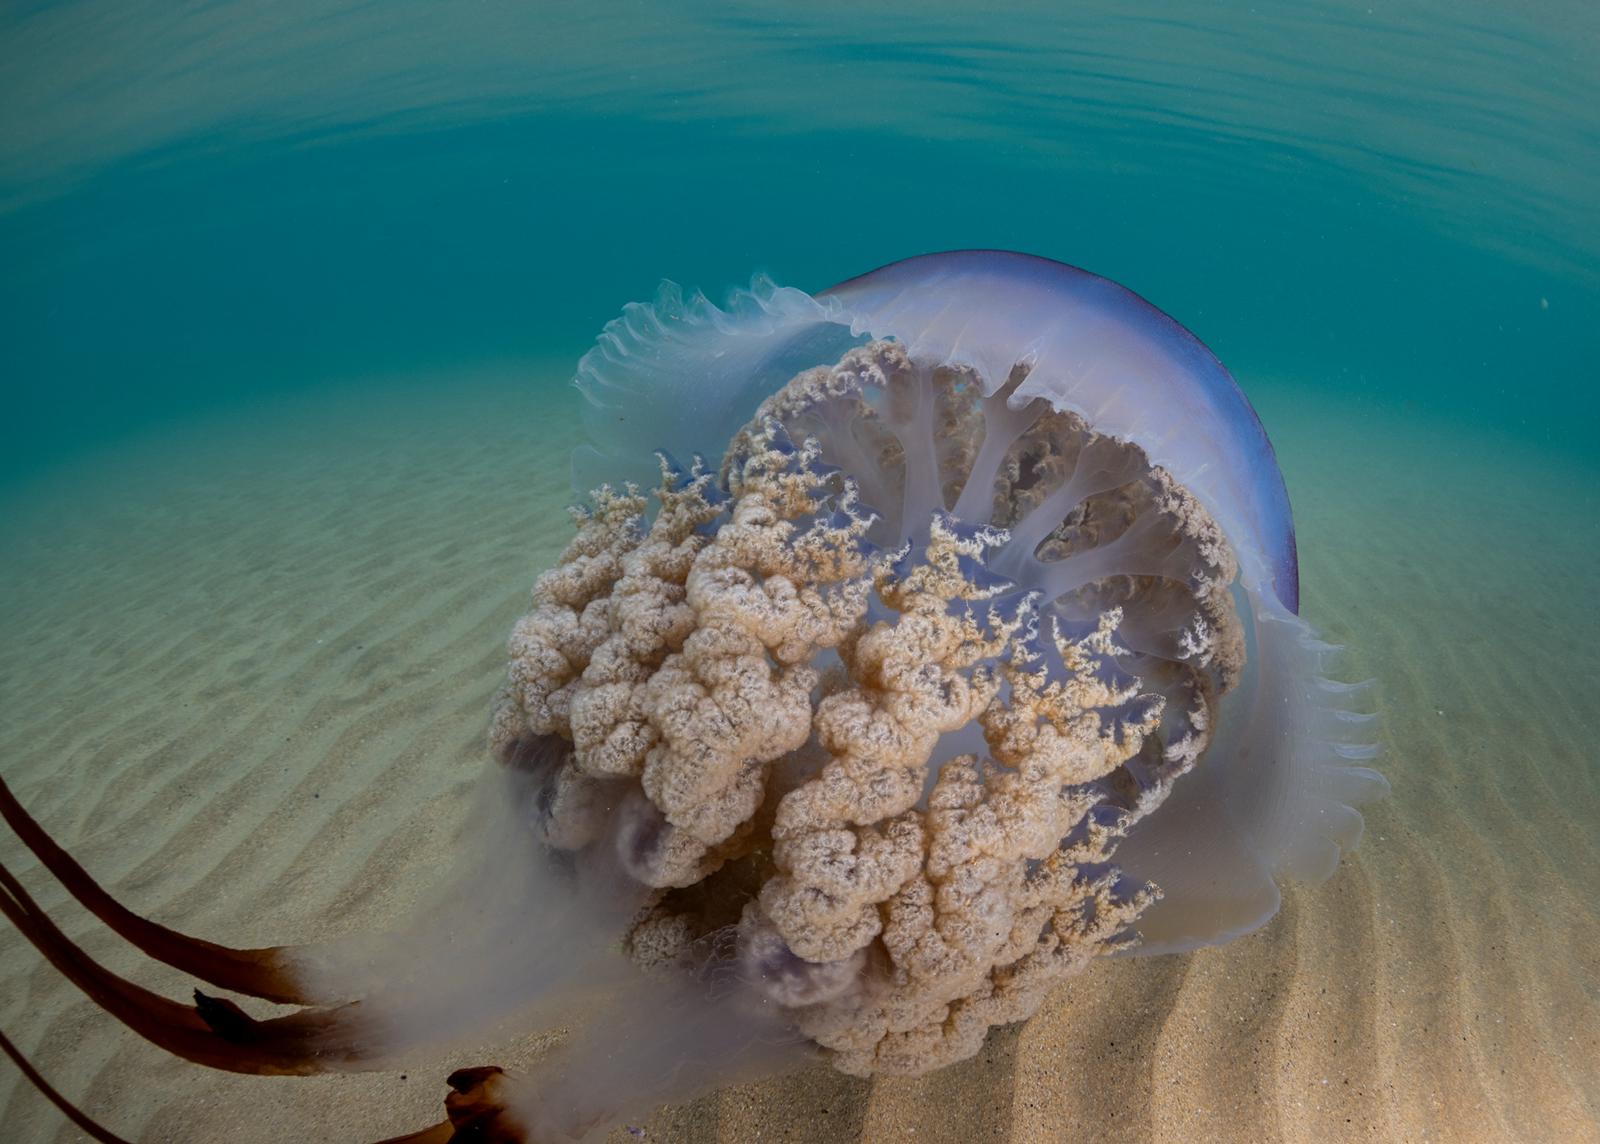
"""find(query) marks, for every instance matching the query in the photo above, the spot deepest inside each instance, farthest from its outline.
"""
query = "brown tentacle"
(325, 1040)
(342, 1037)
(215, 1032)
(71, 1111)
(442, 1133)
(264, 973)
(477, 1112)
(477, 1108)
(473, 1114)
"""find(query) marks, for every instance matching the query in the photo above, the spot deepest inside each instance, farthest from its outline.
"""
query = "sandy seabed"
(245, 665)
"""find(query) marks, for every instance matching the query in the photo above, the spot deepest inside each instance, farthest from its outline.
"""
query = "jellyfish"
(919, 643)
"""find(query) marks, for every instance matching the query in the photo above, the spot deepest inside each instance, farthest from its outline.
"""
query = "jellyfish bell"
(956, 647)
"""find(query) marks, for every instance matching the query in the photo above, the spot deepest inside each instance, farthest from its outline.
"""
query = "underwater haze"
(291, 296)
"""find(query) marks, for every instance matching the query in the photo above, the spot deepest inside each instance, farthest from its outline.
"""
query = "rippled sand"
(244, 672)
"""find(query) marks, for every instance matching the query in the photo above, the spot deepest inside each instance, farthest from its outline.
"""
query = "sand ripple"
(244, 671)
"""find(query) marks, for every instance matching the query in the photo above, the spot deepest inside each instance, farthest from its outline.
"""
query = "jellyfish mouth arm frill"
(892, 748)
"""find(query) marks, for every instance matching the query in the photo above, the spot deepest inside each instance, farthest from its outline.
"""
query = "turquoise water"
(1384, 218)
(205, 204)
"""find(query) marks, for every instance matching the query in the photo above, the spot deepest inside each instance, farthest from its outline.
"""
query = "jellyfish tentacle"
(469, 1107)
(441, 1133)
(479, 1110)
(213, 1032)
(266, 973)
(72, 1112)
(180, 1029)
